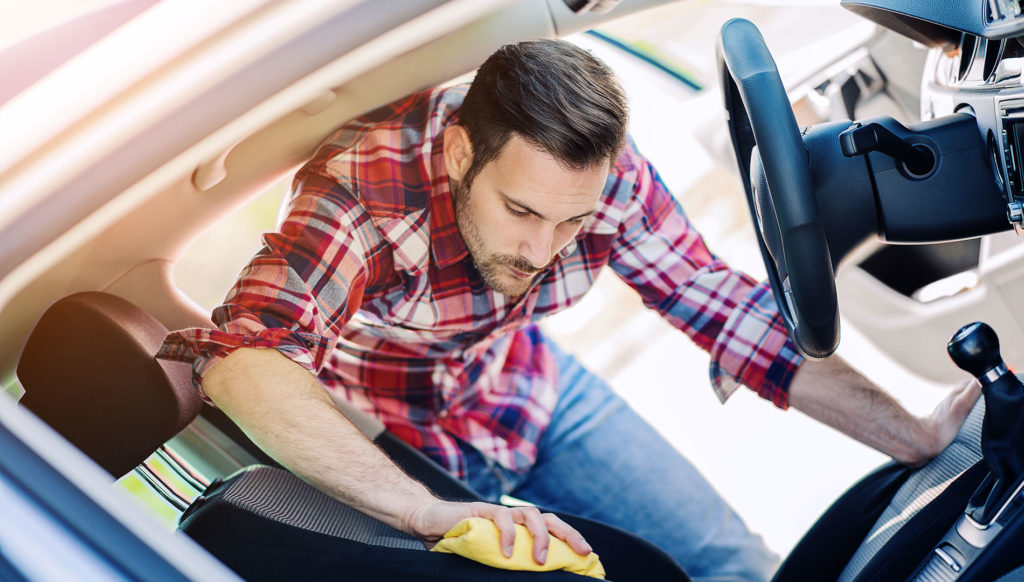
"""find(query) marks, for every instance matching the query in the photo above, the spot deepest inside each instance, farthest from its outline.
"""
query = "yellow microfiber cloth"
(478, 539)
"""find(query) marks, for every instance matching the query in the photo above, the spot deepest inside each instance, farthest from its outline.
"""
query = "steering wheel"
(775, 171)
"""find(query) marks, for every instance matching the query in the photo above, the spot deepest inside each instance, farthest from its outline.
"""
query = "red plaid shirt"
(369, 285)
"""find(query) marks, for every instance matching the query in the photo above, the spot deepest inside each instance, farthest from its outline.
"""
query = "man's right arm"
(285, 410)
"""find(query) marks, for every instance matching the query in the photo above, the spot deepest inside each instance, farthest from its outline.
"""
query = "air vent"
(968, 48)
(1013, 49)
(1012, 118)
(993, 52)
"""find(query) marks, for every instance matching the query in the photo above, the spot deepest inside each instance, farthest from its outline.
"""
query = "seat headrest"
(89, 371)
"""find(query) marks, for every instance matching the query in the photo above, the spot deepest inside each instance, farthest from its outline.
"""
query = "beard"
(493, 267)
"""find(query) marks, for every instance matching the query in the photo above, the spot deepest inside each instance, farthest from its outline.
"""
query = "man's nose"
(536, 245)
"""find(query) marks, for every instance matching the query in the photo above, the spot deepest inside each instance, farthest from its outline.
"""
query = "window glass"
(208, 269)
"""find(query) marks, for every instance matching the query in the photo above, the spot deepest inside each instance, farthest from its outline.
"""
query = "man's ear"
(458, 152)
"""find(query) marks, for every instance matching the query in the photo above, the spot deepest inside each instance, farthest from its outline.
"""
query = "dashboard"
(983, 77)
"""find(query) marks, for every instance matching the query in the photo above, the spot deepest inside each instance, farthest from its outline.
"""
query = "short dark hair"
(551, 93)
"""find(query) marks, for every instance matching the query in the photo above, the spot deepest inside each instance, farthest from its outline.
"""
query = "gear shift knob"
(975, 350)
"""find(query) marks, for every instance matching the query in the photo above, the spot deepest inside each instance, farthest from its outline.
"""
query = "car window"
(208, 268)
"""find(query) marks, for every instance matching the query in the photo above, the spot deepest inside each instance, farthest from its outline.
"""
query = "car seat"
(886, 526)
(89, 370)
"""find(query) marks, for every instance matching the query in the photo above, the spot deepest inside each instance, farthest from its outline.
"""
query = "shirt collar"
(446, 244)
(445, 239)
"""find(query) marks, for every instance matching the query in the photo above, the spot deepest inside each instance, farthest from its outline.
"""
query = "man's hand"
(945, 421)
(430, 522)
(285, 410)
(836, 394)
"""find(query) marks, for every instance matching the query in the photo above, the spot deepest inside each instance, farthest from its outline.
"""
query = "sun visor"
(937, 24)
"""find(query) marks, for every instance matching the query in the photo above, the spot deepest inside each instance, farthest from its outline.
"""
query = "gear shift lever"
(975, 349)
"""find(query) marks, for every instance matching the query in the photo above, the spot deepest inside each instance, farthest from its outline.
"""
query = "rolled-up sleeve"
(300, 288)
(660, 254)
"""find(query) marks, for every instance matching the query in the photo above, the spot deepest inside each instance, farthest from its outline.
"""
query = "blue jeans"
(598, 459)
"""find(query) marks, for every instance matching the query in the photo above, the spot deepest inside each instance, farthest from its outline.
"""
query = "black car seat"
(881, 516)
(887, 525)
(89, 370)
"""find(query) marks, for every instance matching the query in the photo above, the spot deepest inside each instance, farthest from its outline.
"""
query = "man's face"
(520, 210)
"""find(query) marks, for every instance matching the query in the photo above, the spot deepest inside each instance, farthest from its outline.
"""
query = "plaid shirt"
(370, 286)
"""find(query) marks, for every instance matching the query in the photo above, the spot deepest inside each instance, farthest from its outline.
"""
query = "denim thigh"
(599, 459)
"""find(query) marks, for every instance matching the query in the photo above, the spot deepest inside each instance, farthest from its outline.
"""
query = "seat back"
(89, 371)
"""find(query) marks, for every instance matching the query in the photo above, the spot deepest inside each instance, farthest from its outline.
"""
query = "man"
(421, 244)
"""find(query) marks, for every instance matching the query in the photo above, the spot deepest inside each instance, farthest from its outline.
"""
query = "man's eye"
(515, 212)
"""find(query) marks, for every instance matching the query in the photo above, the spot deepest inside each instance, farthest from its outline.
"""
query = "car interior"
(84, 312)
(878, 178)
(256, 519)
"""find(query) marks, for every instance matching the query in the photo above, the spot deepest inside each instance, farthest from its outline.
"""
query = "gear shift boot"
(975, 349)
